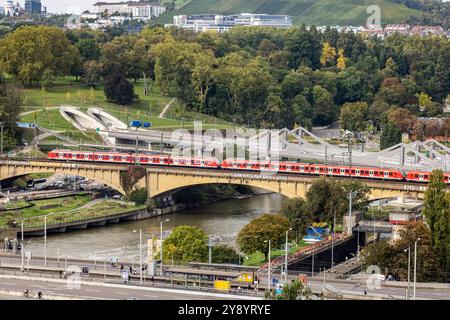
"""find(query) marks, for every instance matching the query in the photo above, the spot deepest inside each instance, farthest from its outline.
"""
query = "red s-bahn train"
(245, 165)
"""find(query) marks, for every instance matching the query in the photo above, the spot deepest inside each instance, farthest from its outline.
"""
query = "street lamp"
(351, 195)
(21, 244)
(161, 237)
(415, 268)
(268, 273)
(332, 237)
(45, 241)
(286, 257)
(409, 269)
(140, 255)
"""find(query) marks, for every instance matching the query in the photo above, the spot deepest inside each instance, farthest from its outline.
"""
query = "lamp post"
(415, 268)
(332, 237)
(286, 256)
(45, 241)
(161, 237)
(409, 270)
(21, 244)
(268, 273)
(351, 195)
(140, 255)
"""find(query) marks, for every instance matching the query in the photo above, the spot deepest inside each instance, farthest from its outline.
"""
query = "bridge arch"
(162, 183)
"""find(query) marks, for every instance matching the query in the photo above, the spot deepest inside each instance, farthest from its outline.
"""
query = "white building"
(264, 20)
(220, 23)
(139, 10)
(121, 8)
(146, 10)
(9, 8)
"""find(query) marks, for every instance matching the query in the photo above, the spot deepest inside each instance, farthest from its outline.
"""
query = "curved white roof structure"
(106, 119)
(79, 119)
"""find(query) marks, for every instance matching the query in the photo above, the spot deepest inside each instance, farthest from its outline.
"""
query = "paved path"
(161, 115)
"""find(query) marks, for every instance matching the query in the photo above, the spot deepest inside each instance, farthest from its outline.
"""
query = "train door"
(421, 177)
(330, 171)
(342, 172)
(386, 174)
(357, 172)
(371, 173)
(288, 168)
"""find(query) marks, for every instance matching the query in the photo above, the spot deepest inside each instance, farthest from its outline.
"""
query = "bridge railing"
(277, 262)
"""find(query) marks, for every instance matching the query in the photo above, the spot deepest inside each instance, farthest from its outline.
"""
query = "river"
(222, 219)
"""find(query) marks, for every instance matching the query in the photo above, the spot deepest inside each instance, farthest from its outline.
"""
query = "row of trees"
(433, 253)
(259, 76)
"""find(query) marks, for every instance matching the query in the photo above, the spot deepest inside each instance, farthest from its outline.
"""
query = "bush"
(138, 196)
(224, 254)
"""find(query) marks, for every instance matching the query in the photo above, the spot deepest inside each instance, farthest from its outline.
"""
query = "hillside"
(318, 12)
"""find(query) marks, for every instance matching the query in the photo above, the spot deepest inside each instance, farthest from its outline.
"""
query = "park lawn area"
(258, 259)
(104, 208)
(61, 204)
(66, 91)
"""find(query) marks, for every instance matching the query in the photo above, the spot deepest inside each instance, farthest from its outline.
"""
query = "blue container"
(147, 124)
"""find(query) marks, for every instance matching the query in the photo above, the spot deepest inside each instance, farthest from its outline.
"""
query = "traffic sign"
(28, 255)
(26, 125)
(85, 271)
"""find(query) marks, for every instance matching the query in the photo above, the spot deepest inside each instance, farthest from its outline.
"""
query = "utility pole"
(1, 147)
(409, 271)
(286, 257)
(22, 245)
(415, 268)
(45, 241)
(268, 273)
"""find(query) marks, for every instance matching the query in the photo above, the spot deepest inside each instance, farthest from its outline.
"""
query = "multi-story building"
(9, 8)
(146, 10)
(139, 10)
(33, 6)
(220, 23)
(264, 20)
(110, 8)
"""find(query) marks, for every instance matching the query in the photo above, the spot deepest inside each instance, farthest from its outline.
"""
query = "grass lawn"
(66, 91)
(39, 208)
(104, 208)
(257, 258)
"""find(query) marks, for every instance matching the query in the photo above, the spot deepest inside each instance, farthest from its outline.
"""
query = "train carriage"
(244, 165)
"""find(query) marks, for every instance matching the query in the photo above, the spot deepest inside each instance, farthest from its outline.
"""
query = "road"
(101, 291)
(316, 283)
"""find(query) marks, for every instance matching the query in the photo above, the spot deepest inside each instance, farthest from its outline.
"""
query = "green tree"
(190, 243)
(267, 227)
(294, 290)
(118, 89)
(437, 212)
(10, 108)
(298, 214)
(390, 136)
(354, 116)
(28, 51)
(138, 196)
(48, 78)
(224, 254)
(392, 258)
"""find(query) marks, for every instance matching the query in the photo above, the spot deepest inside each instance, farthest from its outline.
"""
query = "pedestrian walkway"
(166, 108)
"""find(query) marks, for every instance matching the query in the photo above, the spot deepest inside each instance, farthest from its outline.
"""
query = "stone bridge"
(161, 180)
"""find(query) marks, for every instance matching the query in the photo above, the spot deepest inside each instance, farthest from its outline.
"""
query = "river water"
(222, 219)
